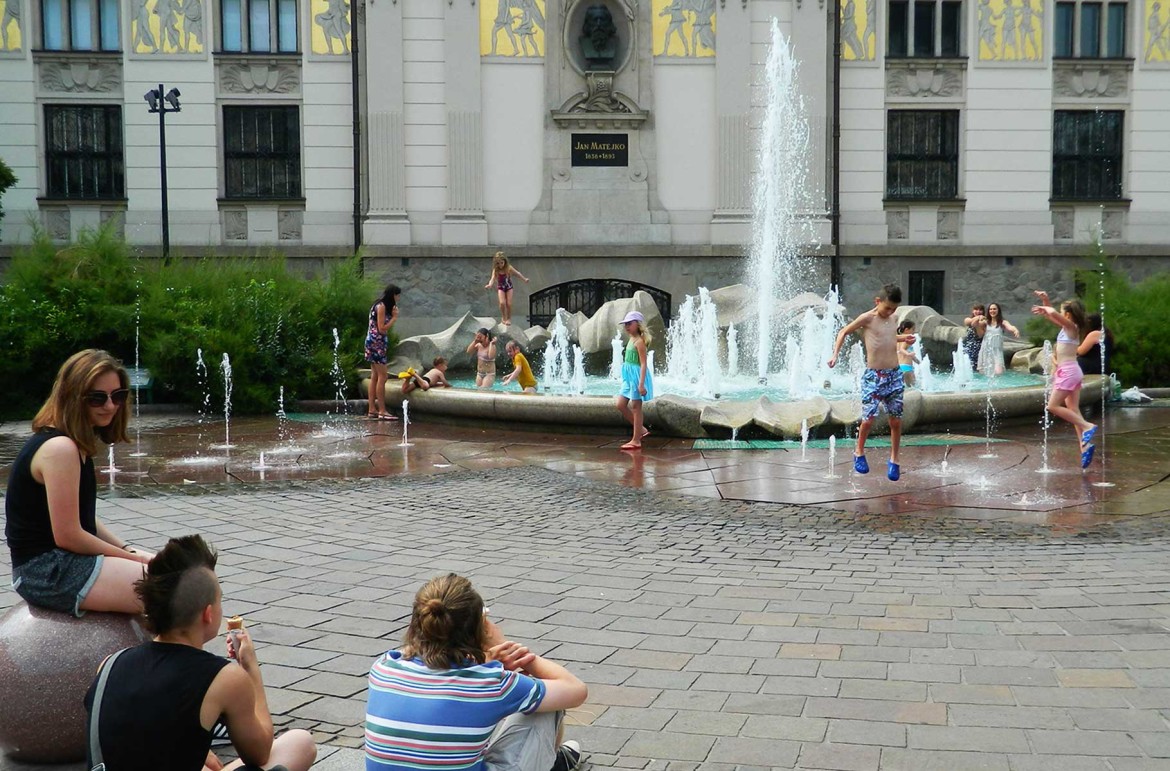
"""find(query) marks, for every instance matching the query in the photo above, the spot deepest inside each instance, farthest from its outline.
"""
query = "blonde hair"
(644, 333)
(446, 624)
(65, 409)
(500, 261)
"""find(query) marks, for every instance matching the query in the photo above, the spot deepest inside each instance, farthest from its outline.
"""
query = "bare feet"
(631, 446)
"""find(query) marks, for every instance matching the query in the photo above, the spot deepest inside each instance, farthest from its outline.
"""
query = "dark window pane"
(1087, 153)
(899, 24)
(1091, 30)
(924, 28)
(262, 157)
(1065, 16)
(952, 15)
(922, 154)
(83, 152)
(1115, 30)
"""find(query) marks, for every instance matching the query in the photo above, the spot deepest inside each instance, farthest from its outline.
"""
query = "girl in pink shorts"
(1065, 402)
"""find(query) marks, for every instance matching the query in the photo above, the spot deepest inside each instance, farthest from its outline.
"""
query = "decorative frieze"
(264, 77)
(57, 223)
(235, 224)
(1063, 224)
(948, 224)
(898, 224)
(1091, 80)
(82, 75)
(921, 80)
(289, 224)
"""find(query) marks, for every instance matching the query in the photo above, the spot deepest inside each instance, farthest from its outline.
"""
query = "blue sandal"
(860, 465)
(1087, 456)
(1087, 437)
(893, 471)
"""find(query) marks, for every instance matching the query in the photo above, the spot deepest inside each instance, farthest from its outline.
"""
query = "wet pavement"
(728, 608)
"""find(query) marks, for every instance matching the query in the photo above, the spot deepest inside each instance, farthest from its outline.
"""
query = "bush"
(276, 328)
(1135, 314)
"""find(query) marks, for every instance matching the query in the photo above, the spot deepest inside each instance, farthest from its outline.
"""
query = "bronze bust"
(598, 38)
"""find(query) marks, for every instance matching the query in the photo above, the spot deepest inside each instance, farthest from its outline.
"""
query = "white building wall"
(1148, 157)
(19, 131)
(327, 152)
(687, 138)
(425, 116)
(513, 133)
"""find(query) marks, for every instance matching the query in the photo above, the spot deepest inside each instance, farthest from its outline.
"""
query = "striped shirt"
(421, 718)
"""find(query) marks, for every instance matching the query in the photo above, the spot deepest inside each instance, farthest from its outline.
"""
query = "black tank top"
(150, 712)
(27, 527)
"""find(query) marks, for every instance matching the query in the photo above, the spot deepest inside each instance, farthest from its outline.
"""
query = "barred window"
(262, 152)
(922, 154)
(1090, 30)
(80, 25)
(927, 287)
(258, 26)
(83, 152)
(1086, 154)
(924, 28)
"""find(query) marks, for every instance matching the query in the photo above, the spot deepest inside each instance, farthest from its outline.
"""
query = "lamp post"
(158, 103)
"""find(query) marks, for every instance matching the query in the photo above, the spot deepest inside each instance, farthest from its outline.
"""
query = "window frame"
(914, 288)
(937, 36)
(272, 157)
(950, 120)
(66, 11)
(1103, 48)
(1096, 161)
(244, 45)
(114, 156)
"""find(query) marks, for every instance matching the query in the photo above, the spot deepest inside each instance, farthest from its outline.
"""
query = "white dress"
(991, 352)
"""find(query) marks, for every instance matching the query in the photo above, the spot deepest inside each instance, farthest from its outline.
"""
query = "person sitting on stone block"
(159, 702)
(63, 557)
(458, 694)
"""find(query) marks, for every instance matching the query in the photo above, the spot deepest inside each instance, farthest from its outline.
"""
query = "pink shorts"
(1068, 376)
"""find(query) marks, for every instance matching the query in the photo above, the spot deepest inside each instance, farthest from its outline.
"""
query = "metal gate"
(587, 295)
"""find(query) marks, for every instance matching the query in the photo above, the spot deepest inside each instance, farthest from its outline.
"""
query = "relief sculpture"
(166, 26)
(684, 28)
(857, 44)
(512, 28)
(11, 34)
(331, 27)
(1157, 47)
(1010, 30)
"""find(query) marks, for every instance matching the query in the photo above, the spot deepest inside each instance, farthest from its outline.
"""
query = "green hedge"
(1135, 314)
(276, 327)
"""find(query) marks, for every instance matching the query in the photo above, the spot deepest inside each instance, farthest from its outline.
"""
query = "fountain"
(1046, 416)
(616, 358)
(692, 345)
(226, 367)
(832, 456)
(337, 375)
(732, 351)
(803, 440)
(405, 424)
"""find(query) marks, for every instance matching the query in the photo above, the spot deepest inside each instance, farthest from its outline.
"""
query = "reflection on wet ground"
(953, 475)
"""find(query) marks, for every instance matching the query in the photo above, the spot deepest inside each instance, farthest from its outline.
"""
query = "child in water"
(502, 273)
(907, 356)
(436, 377)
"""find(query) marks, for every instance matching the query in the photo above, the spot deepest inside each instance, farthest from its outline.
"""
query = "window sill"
(53, 201)
(960, 202)
(228, 202)
(52, 53)
(918, 61)
(1120, 203)
(253, 55)
(1116, 61)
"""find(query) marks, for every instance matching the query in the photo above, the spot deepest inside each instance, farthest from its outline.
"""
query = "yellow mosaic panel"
(1157, 37)
(1010, 30)
(167, 27)
(859, 30)
(330, 27)
(512, 28)
(11, 35)
(684, 28)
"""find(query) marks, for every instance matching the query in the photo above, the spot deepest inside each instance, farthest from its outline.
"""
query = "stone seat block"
(47, 662)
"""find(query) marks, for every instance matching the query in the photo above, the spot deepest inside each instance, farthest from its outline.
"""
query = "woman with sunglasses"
(63, 557)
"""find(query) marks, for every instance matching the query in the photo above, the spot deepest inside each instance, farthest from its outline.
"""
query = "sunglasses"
(98, 398)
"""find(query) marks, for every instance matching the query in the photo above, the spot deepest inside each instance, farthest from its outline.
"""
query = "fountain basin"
(696, 418)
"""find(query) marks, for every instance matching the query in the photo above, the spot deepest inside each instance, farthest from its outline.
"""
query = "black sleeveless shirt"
(27, 527)
(150, 712)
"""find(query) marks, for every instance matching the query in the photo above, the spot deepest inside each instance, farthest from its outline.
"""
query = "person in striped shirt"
(459, 696)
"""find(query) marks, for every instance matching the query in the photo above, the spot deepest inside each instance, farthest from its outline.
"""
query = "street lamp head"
(152, 98)
(172, 98)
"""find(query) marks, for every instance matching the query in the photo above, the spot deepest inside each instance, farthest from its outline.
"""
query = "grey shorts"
(58, 580)
(524, 742)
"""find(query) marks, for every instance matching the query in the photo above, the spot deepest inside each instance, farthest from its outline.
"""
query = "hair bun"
(435, 607)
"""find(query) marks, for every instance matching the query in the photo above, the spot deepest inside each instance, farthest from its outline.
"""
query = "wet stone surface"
(851, 625)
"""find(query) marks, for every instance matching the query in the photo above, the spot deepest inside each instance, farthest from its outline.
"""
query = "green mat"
(918, 440)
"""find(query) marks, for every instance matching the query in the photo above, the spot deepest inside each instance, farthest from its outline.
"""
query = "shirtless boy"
(435, 377)
(881, 384)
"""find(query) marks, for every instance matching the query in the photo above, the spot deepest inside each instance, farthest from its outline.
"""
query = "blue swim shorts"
(881, 388)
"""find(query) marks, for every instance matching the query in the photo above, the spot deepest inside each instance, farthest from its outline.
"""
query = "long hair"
(178, 584)
(999, 319)
(500, 262)
(1076, 309)
(446, 624)
(388, 295)
(644, 333)
(65, 409)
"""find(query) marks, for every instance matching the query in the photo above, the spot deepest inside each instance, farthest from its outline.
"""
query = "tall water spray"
(781, 233)
(226, 367)
(692, 345)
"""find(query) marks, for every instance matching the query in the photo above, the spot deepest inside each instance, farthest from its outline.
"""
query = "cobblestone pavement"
(713, 634)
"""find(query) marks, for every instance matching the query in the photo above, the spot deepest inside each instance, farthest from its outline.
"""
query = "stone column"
(464, 222)
(387, 222)
(731, 223)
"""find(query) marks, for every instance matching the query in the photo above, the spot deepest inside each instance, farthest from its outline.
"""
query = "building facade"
(984, 145)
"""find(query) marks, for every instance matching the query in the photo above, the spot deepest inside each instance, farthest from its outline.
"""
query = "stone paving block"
(332, 684)
(809, 651)
(800, 729)
(801, 686)
(919, 760)
(955, 738)
(971, 694)
(1117, 719)
(694, 700)
(641, 718)
(661, 678)
(890, 690)
(867, 732)
(770, 753)
(784, 634)
(740, 665)
(863, 670)
(925, 673)
(1093, 678)
(942, 656)
(353, 644)
(709, 723)
(839, 757)
(874, 709)
(887, 624)
(670, 745)
(1097, 698)
(708, 681)
(576, 652)
(1051, 762)
(764, 704)
(1008, 717)
(766, 619)
(295, 657)
(653, 626)
(346, 664)
(615, 696)
(788, 667)
(1156, 745)
(1099, 743)
(600, 739)
(676, 644)
(1024, 676)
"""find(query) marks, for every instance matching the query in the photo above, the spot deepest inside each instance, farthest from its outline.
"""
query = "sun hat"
(632, 316)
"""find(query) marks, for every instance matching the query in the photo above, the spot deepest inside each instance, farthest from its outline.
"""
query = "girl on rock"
(63, 557)
(502, 272)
